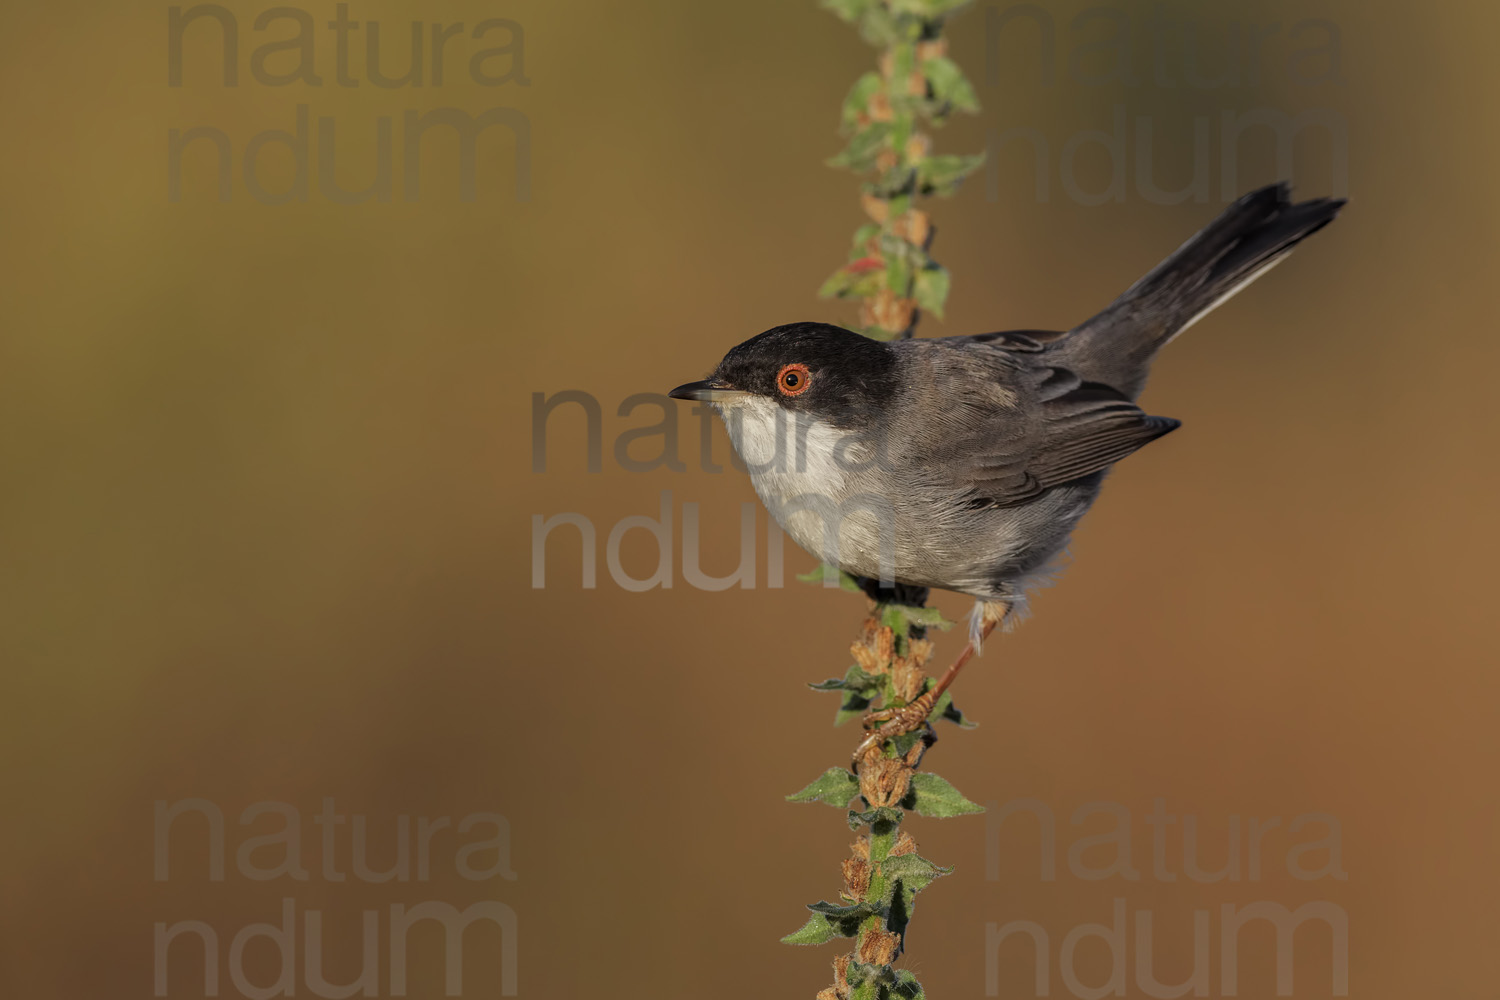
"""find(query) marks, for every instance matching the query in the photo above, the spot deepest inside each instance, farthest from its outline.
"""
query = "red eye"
(794, 380)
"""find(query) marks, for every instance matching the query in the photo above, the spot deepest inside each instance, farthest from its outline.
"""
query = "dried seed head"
(915, 227)
(914, 755)
(908, 673)
(861, 848)
(904, 845)
(879, 947)
(875, 648)
(864, 656)
(932, 50)
(876, 208)
(907, 678)
(882, 781)
(857, 877)
(840, 988)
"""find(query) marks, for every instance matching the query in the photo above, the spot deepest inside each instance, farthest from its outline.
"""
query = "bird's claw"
(893, 722)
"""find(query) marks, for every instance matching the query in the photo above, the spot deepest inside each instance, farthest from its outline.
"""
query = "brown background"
(268, 502)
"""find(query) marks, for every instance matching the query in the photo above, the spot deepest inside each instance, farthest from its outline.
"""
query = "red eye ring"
(793, 380)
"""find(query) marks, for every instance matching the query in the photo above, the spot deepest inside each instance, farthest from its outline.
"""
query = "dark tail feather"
(1255, 234)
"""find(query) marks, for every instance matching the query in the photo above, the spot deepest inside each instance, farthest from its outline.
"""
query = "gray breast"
(872, 504)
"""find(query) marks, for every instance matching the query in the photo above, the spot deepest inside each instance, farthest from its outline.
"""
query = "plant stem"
(894, 279)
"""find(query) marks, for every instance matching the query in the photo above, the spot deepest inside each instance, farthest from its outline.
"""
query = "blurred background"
(268, 515)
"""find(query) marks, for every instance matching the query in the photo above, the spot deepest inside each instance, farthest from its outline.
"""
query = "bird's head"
(823, 371)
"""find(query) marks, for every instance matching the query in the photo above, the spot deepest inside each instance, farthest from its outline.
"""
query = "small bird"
(964, 463)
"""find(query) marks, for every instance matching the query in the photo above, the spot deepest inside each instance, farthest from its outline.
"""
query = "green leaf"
(932, 290)
(836, 787)
(928, 8)
(844, 911)
(949, 84)
(857, 680)
(862, 236)
(901, 745)
(858, 101)
(837, 284)
(877, 982)
(945, 709)
(897, 274)
(868, 284)
(864, 146)
(854, 679)
(824, 572)
(941, 175)
(913, 871)
(843, 920)
(909, 874)
(870, 817)
(879, 26)
(861, 975)
(892, 245)
(860, 690)
(906, 986)
(902, 618)
(901, 130)
(894, 617)
(926, 617)
(818, 930)
(854, 706)
(934, 797)
(893, 184)
(844, 283)
(903, 61)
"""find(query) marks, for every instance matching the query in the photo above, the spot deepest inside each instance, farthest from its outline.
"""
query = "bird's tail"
(1254, 235)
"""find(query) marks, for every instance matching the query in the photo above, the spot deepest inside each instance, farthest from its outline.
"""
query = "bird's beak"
(708, 391)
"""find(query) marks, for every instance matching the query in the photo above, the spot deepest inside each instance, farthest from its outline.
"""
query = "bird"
(965, 463)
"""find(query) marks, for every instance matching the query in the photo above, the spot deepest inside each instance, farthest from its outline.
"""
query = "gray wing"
(1062, 429)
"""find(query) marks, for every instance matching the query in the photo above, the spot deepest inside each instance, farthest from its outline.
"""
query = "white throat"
(789, 454)
(812, 476)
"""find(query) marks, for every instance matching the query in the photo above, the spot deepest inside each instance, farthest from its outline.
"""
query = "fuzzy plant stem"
(884, 873)
(889, 270)
(894, 279)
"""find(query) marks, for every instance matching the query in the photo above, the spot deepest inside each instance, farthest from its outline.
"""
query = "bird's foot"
(890, 723)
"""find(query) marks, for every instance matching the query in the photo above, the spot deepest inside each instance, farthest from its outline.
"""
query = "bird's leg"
(899, 721)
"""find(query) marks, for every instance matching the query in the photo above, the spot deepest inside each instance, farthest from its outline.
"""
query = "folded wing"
(1079, 429)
